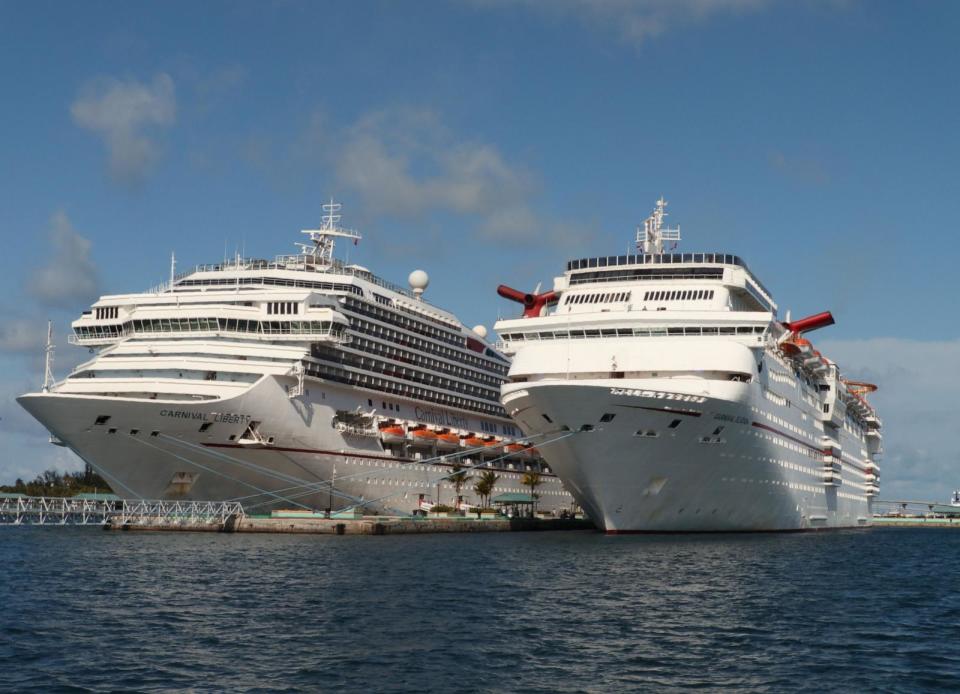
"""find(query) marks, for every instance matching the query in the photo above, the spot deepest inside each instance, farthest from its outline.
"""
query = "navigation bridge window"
(688, 331)
(679, 295)
(176, 325)
(107, 312)
(603, 298)
(282, 308)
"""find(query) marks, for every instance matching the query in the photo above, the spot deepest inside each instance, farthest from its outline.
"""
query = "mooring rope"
(365, 502)
(220, 474)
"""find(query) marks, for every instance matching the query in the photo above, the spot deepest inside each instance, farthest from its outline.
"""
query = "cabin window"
(607, 417)
(674, 424)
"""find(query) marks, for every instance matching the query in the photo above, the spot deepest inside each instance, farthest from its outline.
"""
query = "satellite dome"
(480, 330)
(418, 280)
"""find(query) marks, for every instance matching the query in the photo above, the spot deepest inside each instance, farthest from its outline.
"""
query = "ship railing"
(300, 263)
(340, 337)
(38, 510)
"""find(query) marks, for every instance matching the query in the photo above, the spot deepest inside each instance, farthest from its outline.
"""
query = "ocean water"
(87, 610)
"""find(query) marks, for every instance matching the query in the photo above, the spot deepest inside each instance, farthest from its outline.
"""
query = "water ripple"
(89, 611)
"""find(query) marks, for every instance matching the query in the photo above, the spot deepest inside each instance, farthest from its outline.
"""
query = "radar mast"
(324, 238)
(650, 239)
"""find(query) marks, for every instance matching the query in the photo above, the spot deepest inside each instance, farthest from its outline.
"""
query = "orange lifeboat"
(448, 441)
(493, 448)
(474, 442)
(796, 346)
(423, 437)
(860, 388)
(393, 434)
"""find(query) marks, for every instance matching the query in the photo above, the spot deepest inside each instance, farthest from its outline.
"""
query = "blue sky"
(487, 142)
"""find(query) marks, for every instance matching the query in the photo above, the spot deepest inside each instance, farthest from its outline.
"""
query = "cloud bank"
(68, 278)
(124, 114)
(634, 21)
(407, 163)
(918, 381)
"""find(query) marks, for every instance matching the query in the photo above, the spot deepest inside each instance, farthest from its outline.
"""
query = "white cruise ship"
(301, 382)
(691, 406)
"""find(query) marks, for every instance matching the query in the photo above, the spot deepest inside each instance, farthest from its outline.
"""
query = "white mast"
(48, 359)
(173, 267)
(650, 239)
(321, 252)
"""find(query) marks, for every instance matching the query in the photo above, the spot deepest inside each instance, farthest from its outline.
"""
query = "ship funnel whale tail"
(533, 303)
(803, 325)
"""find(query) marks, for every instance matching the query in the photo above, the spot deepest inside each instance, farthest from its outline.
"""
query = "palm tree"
(533, 480)
(484, 486)
(459, 478)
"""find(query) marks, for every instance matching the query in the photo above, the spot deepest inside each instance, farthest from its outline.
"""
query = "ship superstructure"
(300, 381)
(691, 405)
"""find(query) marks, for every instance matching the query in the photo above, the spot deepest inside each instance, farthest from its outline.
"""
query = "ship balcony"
(873, 434)
(872, 421)
(832, 479)
(872, 490)
(95, 340)
(832, 466)
(302, 331)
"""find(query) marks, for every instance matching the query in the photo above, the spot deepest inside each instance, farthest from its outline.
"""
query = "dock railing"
(42, 510)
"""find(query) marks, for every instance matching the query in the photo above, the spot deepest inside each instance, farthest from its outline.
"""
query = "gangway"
(45, 510)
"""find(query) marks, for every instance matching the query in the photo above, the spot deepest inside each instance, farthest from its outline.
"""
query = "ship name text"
(440, 417)
(225, 417)
(659, 395)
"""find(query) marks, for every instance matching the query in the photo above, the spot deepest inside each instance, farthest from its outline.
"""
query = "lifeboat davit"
(492, 449)
(423, 437)
(393, 434)
(448, 441)
(516, 451)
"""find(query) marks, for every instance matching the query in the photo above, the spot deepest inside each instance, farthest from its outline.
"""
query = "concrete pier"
(369, 525)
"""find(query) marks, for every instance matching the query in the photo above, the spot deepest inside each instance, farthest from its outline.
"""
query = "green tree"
(484, 486)
(533, 480)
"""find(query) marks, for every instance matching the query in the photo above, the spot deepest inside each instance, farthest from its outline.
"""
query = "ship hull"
(683, 456)
(150, 449)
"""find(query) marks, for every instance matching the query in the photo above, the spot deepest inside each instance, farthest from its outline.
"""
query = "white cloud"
(406, 163)
(69, 278)
(636, 21)
(802, 168)
(122, 113)
(918, 382)
(22, 336)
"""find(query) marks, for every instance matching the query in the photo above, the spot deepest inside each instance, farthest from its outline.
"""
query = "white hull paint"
(683, 479)
(181, 462)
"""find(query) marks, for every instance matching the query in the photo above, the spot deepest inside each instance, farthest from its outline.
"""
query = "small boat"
(448, 441)
(393, 434)
(423, 437)
(472, 441)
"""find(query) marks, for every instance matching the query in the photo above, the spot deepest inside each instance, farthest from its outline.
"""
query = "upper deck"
(667, 266)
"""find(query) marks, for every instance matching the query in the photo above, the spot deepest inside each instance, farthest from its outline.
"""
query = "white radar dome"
(480, 330)
(418, 280)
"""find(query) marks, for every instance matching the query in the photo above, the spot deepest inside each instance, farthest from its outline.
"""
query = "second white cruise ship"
(299, 382)
(691, 406)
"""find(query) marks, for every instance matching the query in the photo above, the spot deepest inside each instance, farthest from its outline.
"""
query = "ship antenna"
(173, 267)
(650, 239)
(48, 359)
(324, 238)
